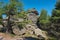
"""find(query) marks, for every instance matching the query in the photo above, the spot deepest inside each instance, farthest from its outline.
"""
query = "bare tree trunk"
(9, 27)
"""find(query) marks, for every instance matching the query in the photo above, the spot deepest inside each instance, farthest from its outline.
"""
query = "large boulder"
(30, 28)
(17, 31)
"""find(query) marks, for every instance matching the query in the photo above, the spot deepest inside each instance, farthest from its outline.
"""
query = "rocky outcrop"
(17, 31)
(32, 17)
(39, 32)
(36, 31)
(32, 29)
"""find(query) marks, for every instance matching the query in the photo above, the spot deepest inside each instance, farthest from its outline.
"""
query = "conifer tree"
(55, 19)
(11, 8)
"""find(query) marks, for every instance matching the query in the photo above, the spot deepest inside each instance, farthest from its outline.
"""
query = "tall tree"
(43, 16)
(58, 5)
(11, 8)
(56, 20)
(56, 13)
(43, 20)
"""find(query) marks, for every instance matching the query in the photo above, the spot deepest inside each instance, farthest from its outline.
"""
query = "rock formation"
(29, 28)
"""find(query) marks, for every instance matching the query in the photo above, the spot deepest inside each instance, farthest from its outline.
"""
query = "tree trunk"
(9, 27)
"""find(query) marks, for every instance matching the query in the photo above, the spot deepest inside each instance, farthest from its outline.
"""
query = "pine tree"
(43, 16)
(55, 19)
(43, 20)
(11, 9)
(56, 13)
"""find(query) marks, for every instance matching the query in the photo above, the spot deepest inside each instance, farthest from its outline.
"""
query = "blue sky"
(38, 4)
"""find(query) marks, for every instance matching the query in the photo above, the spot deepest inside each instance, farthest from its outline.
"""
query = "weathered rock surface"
(32, 17)
(31, 29)
(41, 33)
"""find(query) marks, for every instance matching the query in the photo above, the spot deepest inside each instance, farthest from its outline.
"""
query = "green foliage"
(1, 12)
(22, 14)
(55, 19)
(52, 38)
(43, 17)
(43, 20)
(12, 35)
(0, 21)
(23, 24)
(56, 13)
(10, 8)
(0, 17)
(58, 5)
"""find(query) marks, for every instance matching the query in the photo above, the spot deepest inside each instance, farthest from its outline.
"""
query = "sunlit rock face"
(33, 29)
(18, 31)
(32, 17)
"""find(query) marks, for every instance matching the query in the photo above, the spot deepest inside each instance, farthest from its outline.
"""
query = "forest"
(29, 24)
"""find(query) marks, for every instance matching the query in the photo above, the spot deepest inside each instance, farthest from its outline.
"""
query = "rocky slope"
(30, 31)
